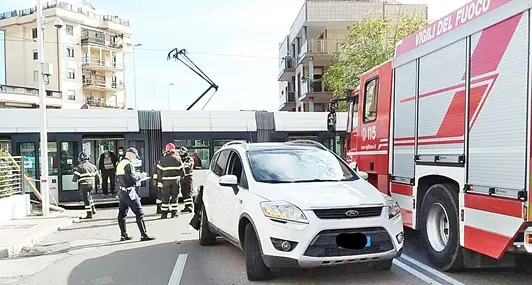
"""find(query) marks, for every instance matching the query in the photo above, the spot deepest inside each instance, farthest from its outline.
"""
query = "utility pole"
(44, 187)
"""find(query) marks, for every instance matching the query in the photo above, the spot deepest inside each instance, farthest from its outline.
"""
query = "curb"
(13, 250)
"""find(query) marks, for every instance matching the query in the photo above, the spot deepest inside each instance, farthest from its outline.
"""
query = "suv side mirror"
(363, 175)
(228, 180)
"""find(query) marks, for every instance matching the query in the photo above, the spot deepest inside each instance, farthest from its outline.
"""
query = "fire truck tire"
(440, 227)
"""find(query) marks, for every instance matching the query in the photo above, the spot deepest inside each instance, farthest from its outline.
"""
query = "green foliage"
(369, 43)
(5, 189)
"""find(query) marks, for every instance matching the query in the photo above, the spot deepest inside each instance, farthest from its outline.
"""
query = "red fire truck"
(445, 129)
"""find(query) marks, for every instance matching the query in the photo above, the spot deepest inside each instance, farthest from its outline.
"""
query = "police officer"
(127, 195)
(158, 187)
(186, 180)
(169, 171)
(88, 179)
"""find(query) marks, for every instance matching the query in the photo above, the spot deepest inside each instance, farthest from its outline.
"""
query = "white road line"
(431, 270)
(179, 268)
(416, 273)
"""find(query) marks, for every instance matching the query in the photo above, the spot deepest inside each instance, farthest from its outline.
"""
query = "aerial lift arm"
(181, 55)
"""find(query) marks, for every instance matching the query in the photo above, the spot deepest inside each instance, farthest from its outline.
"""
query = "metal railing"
(103, 84)
(326, 46)
(11, 175)
(29, 91)
(102, 103)
(69, 7)
(312, 86)
(100, 38)
(96, 62)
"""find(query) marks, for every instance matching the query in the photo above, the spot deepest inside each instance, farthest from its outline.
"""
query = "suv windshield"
(297, 166)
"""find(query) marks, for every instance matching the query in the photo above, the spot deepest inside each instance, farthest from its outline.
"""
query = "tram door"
(140, 142)
(66, 160)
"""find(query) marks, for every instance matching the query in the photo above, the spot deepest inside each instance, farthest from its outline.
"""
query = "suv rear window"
(298, 165)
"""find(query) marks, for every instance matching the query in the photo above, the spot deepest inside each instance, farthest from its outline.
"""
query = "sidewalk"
(18, 234)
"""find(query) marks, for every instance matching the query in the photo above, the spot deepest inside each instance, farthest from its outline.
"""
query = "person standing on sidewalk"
(127, 195)
(107, 165)
(88, 179)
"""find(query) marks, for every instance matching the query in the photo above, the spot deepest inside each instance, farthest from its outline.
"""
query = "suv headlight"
(393, 207)
(281, 210)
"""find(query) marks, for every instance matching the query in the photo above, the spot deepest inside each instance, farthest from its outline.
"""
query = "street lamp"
(41, 22)
(135, 75)
(168, 94)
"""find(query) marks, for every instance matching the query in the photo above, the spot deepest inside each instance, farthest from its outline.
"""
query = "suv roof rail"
(243, 143)
(307, 142)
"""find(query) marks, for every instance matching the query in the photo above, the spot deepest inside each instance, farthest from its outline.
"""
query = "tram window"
(192, 143)
(219, 143)
(27, 150)
(201, 147)
(67, 158)
(5, 146)
(52, 159)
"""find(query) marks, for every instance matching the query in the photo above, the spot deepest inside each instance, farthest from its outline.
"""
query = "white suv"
(296, 204)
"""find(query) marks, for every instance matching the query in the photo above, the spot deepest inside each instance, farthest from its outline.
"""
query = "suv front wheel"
(206, 236)
(255, 267)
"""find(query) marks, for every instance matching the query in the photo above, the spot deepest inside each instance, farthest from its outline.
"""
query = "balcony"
(287, 69)
(27, 97)
(322, 51)
(316, 90)
(98, 102)
(100, 39)
(287, 101)
(101, 65)
(97, 84)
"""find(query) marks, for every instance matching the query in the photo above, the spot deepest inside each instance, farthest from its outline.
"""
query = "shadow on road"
(152, 264)
(92, 224)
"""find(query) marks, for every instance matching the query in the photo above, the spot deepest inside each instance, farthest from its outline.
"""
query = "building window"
(71, 95)
(35, 54)
(69, 30)
(71, 73)
(35, 75)
(34, 33)
(370, 100)
(70, 51)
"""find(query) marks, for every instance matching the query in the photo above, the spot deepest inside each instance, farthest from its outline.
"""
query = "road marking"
(431, 270)
(416, 273)
(179, 268)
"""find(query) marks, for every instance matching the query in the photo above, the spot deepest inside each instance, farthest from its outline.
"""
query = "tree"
(369, 43)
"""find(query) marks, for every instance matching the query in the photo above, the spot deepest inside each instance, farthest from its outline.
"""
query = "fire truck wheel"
(441, 228)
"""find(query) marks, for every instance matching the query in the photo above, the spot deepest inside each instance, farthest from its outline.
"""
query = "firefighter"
(158, 187)
(88, 179)
(186, 180)
(127, 195)
(169, 171)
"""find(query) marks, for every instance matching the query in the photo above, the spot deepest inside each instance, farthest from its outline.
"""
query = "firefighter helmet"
(83, 156)
(170, 147)
(183, 150)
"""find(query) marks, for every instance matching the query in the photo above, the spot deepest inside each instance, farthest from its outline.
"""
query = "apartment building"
(87, 55)
(315, 36)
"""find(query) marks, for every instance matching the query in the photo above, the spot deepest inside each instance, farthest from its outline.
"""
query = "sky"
(234, 42)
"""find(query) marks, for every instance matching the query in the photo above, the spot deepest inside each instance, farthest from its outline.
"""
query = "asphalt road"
(89, 253)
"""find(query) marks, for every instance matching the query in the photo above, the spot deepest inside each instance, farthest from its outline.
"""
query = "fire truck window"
(370, 103)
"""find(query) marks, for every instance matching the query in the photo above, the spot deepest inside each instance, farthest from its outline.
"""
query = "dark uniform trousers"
(125, 203)
(186, 189)
(86, 194)
(170, 191)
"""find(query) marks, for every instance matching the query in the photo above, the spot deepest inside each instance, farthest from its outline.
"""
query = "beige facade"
(87, 55)
(314, 38)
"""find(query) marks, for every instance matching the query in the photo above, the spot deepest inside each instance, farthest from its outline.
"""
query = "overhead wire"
(22, 39)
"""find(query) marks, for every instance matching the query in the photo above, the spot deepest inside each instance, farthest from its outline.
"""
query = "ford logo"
(351, 213)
